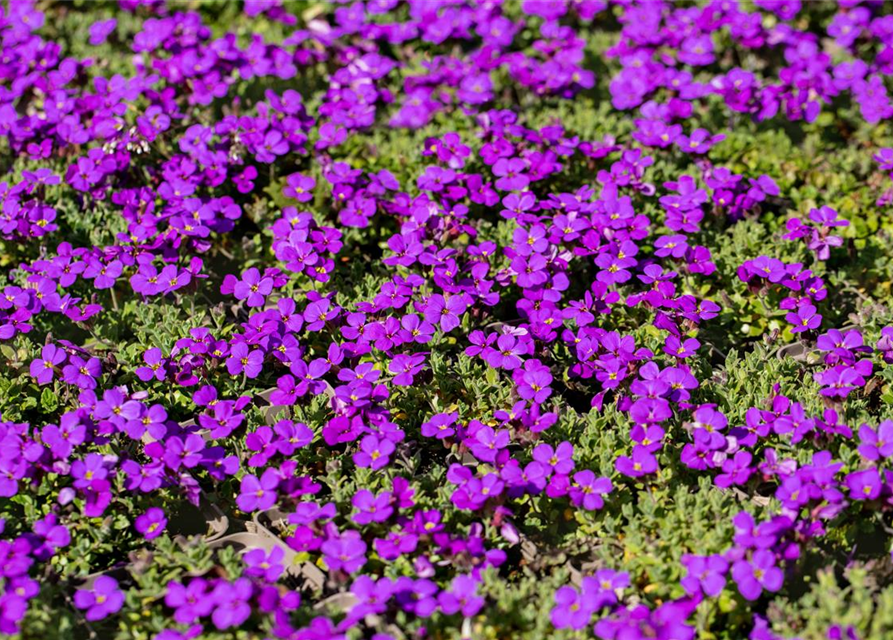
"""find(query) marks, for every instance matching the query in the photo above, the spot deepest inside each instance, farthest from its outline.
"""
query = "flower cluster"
(350, 321)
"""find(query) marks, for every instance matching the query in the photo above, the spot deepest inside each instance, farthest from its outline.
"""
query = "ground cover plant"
(444, 319)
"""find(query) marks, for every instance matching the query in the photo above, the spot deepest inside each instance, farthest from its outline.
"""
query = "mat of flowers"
(446, 319)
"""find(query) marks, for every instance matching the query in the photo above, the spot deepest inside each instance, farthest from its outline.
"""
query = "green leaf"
(48, 401)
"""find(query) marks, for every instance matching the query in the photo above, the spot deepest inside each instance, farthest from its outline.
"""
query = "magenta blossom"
(104, 599)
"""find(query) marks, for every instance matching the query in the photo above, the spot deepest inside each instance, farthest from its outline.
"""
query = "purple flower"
(100, 31)
(839, 381)
(487, 443)
(117, 407)
(267, 566)
(511, 174)
(804, 319)
(531, 270)
(406, 367)
(317, 313)
(507, 353)
(558, 460)
(89, 470)
(253, 288)
(641, 463)
(571, 609)
(532, 240)
(63, 438)
(373, 453)
(184, 452)
(189, 602)
(445, 311)
(44, 367)
(152, 523)
(461, 597)
(82, 373)
(274, 144)
(675, 347)
(674, 246)
(299, 187)
(258, 494)
(700, 141)
(736, 470)
(154, 366)
(346, 552)
(103, 275)
(864, 485)
(243, 360)
(51, 536)
(533, 381)
(371, 508)
(416, 329)
(292, 436)
(876, 444)
(231, 600)
(102, 600)
(706, 574)
(697, 50)
(440, 426)
(842, 347)
(648, 410)
(587, 490)
(147, 281)
(708, 422)
(434, 178)
(760, 573)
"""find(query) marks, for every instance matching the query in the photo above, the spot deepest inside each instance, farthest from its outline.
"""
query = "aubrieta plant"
(436, 319)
